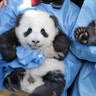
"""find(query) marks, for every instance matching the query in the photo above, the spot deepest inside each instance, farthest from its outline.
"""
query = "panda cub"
(33, 32)
(86, 35)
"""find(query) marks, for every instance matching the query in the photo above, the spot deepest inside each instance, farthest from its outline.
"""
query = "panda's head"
(36, 29)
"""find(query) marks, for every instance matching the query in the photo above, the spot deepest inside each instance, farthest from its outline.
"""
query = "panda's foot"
(81, 35)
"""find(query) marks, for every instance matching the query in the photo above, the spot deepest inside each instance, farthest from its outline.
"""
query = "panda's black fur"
(8, 43)
(47, 79)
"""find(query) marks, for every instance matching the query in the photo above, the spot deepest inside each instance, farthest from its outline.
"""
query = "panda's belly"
(29, 87)
(50, 64)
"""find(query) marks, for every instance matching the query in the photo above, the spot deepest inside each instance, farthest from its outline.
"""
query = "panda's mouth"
(35, 46)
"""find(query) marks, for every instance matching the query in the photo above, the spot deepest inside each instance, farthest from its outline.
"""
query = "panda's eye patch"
(43, 32)
(28, 32)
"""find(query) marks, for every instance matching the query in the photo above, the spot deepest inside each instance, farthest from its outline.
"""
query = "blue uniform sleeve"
(86, 15)
(8, 16)
(85, 84)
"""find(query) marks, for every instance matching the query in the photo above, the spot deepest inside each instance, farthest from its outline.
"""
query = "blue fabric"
(85, 84)
(66, 16)
(72, 66)
(86, 15)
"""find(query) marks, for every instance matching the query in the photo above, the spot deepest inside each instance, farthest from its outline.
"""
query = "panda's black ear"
(55, 20)
(18, 19)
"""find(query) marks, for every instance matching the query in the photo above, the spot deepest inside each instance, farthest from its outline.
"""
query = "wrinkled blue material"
(66, 16)
(85, 84)
(86, 15)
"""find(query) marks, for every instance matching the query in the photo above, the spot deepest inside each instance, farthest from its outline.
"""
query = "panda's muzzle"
(34, 46)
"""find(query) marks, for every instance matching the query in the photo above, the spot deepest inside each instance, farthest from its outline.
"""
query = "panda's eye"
(28, 32)
(43, 32)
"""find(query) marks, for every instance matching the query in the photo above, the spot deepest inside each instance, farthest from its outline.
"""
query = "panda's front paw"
(81, 35)
(51, 53)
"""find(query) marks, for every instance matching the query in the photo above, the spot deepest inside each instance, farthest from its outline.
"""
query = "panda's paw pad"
(81, 35)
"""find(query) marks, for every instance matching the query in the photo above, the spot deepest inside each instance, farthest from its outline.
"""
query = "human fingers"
(1, 5)
(5, 2)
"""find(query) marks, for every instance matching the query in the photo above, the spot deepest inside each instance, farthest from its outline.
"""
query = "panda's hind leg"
(53, 86)
(56, 80)
(81, 35)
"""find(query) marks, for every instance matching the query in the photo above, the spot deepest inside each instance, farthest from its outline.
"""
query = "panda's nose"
(35, 41)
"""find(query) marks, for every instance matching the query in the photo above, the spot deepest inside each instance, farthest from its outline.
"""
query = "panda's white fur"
(36, 20)
(49, 64)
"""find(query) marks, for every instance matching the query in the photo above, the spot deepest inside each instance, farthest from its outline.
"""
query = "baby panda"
(33, 32)
(55, 3)
(86, 35)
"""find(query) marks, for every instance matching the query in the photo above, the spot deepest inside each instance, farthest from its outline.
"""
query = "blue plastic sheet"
(66, 16)
(85, 84)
